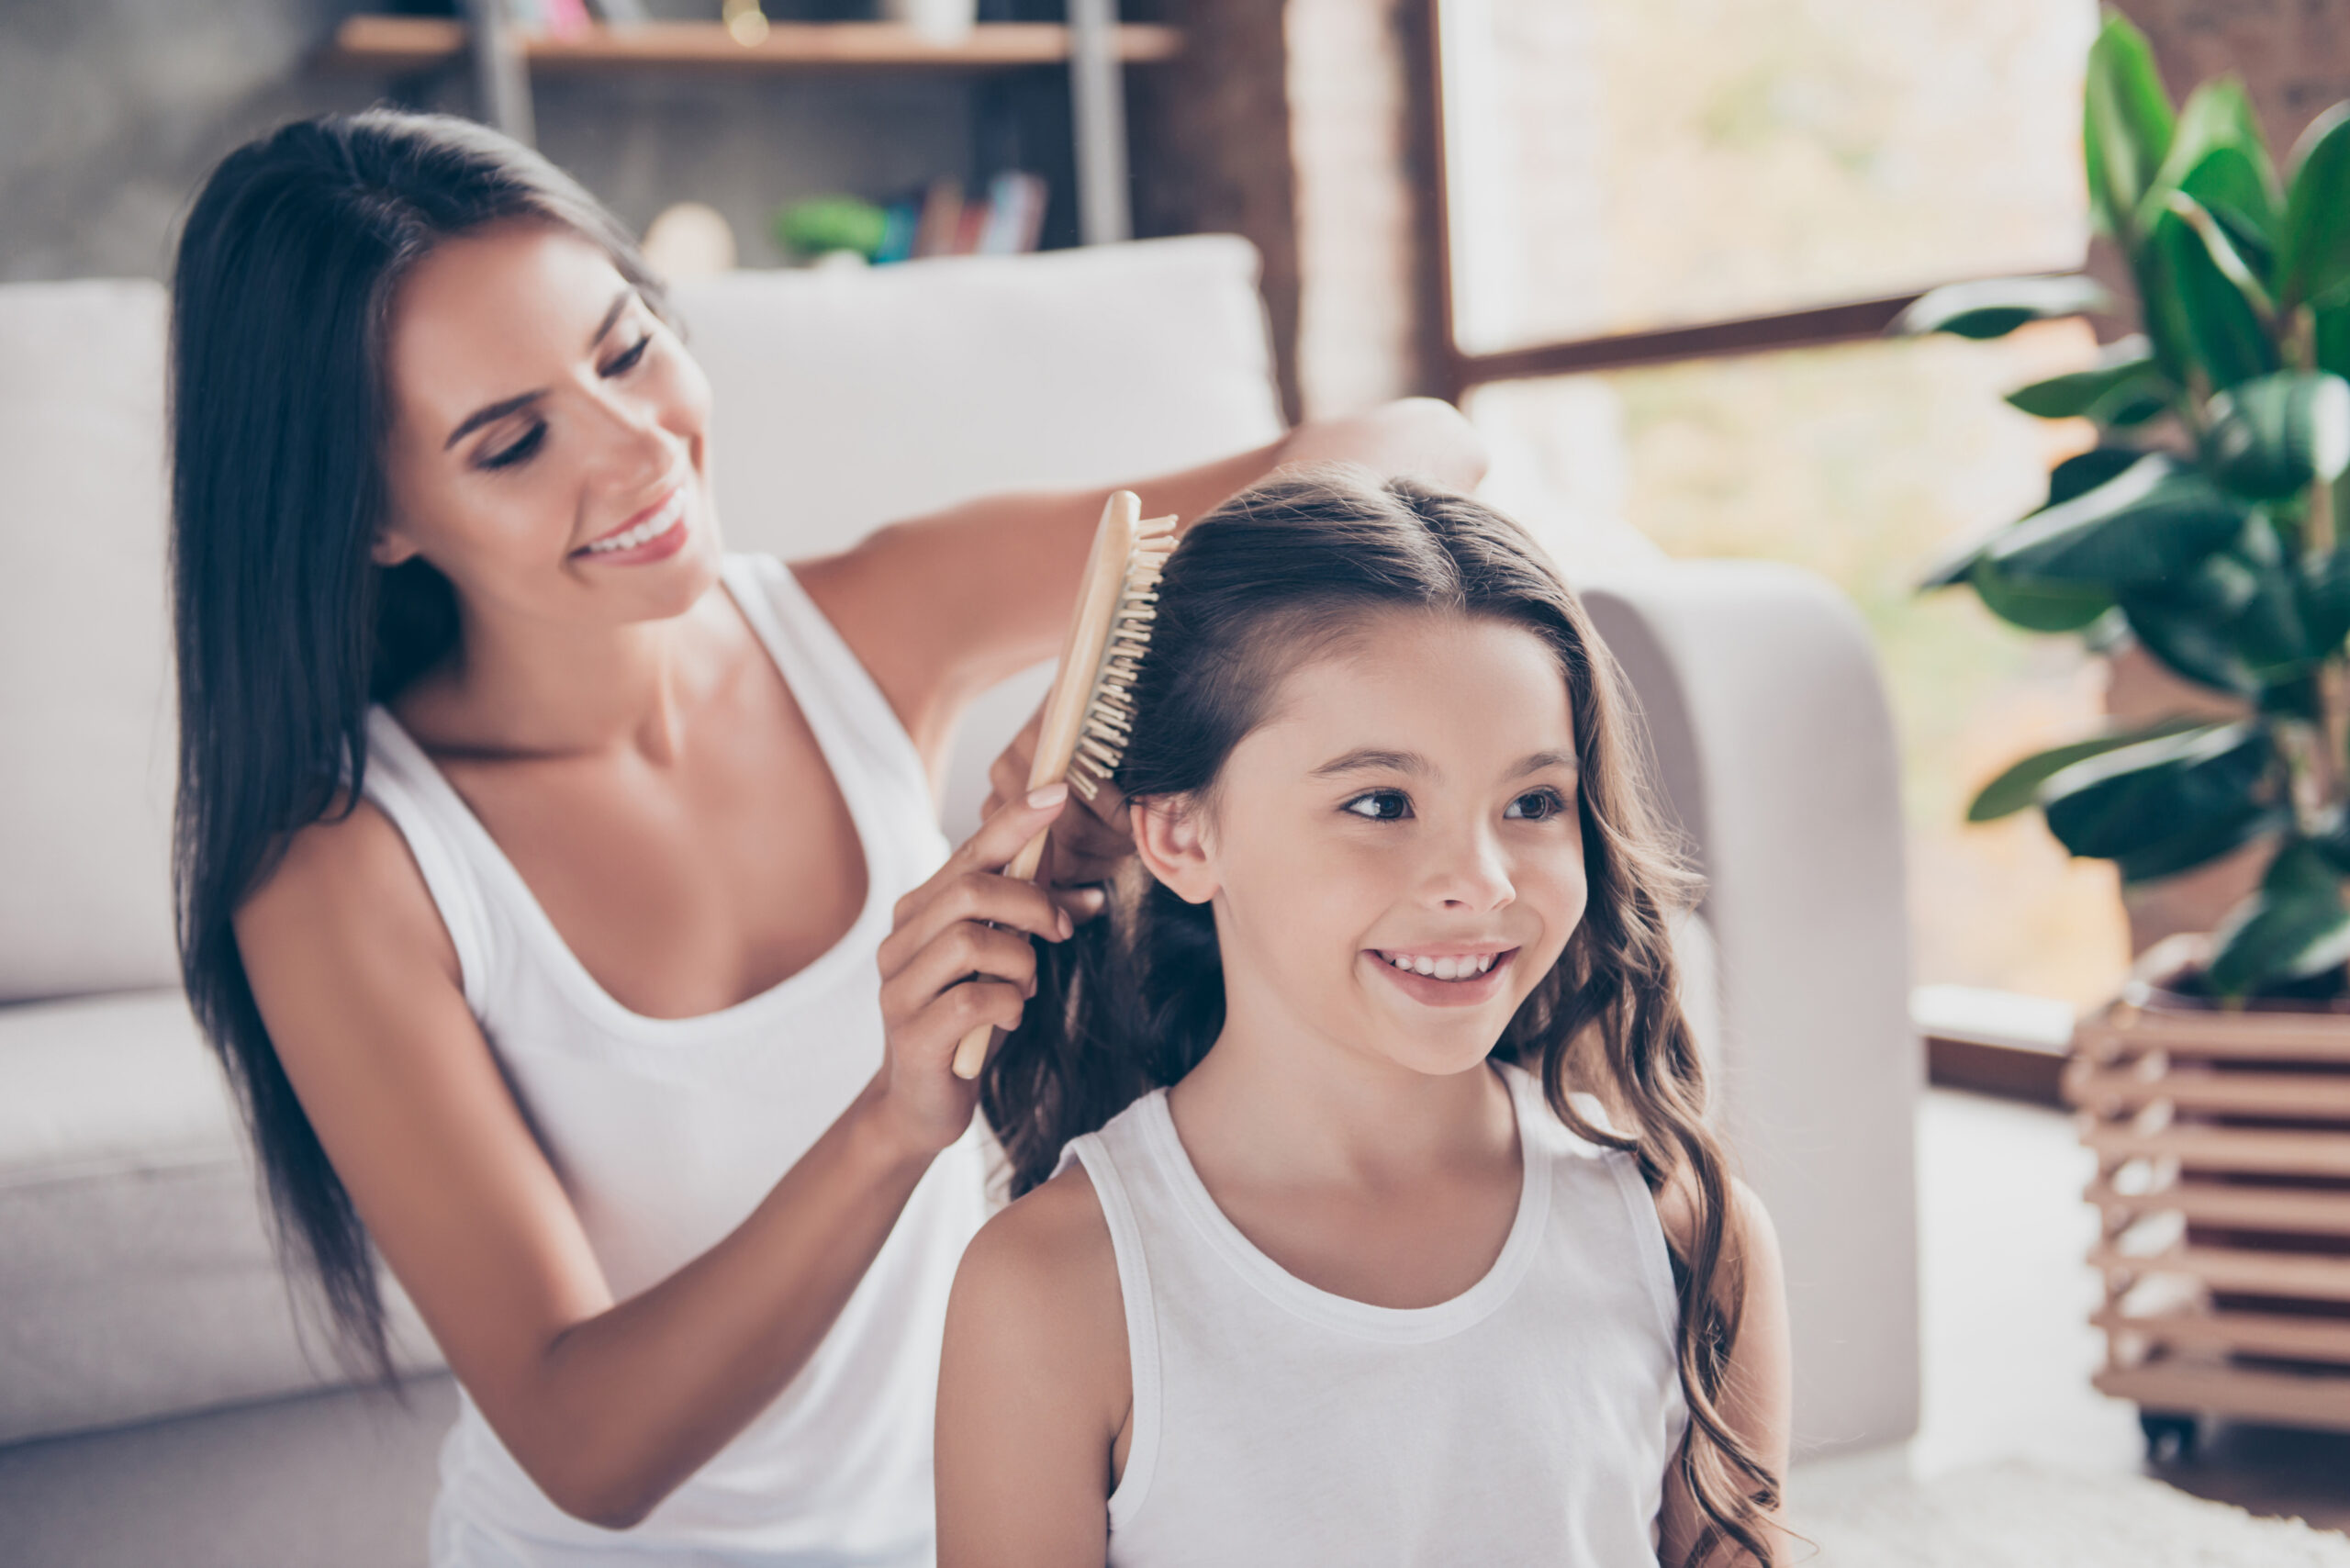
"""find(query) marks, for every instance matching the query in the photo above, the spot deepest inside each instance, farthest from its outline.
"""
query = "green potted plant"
(2207, 524)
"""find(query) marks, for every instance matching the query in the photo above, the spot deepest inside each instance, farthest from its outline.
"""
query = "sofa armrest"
(1759, 692)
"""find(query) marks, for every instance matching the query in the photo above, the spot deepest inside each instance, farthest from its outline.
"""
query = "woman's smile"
(654, 534)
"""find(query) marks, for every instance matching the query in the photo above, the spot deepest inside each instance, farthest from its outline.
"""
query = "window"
(1733, 171)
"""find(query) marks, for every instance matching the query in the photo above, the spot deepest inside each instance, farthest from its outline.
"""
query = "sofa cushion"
(848, 397)
(85, 675)
(137, 1277)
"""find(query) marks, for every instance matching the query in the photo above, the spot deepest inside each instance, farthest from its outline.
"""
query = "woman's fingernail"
(1047, 795)
(1069, 926)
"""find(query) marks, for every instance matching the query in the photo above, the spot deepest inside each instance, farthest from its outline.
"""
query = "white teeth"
(652, 528)
(1463, 968)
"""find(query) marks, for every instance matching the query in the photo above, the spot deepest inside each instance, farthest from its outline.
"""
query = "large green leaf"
(2076, 476)
(2271, 436)
(2019, 786)
(2085, 471)
(2295, 926)
(2126, 124)
(2153, 521)
(2219, 157)
(2326, 599)
(2268, 633)
(2188, 292)
(2199, 847)
(1993, 307)
(2126, 387)
(2037, 606)
(2315, 264)
(2132, 798)
(2187, 640)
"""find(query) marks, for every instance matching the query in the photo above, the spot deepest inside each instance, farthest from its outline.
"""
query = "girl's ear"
(1168, 841)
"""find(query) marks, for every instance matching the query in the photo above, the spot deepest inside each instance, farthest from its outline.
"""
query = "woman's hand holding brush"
(1089, 842)
(958, 958)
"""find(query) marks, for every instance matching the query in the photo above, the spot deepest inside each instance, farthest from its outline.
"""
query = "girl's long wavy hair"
(287, 629)
(1266, 582)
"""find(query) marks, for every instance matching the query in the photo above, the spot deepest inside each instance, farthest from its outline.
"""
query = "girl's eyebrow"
(1373, 759)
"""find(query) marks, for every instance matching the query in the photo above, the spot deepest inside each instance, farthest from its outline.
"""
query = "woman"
(533, 852)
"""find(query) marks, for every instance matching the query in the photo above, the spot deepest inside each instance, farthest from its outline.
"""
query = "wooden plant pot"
(2222, 1143)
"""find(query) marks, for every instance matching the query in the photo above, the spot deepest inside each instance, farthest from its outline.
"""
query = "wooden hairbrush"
(1089, 712)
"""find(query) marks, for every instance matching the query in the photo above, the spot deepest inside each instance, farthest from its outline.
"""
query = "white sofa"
(160, 1402)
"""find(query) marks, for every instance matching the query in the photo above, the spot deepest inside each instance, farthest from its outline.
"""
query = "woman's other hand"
(1415, 438)
(1087, 845)
(957, 956)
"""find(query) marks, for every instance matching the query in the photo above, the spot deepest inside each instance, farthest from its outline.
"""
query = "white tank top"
(1530, 1419)
(666, 1133)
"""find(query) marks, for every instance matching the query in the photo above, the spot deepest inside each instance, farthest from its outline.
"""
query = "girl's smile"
(1449, 977)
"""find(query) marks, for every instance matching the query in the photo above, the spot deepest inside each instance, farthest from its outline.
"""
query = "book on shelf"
(940, 221)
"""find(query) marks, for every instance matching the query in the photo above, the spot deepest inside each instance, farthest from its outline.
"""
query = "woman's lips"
(653, 535)
(1467, 988)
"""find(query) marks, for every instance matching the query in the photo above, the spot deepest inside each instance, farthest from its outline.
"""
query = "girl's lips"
(654, 534)
(1434, 992)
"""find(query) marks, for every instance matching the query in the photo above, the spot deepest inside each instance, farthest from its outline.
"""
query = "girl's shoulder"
(1037, 1320)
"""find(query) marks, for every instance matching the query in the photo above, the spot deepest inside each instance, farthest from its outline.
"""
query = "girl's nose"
(1472, 875)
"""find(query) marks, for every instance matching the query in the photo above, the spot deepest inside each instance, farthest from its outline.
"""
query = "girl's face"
(1395, 855)
(549, 446)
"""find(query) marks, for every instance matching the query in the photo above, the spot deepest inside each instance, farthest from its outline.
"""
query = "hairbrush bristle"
(1110, 712)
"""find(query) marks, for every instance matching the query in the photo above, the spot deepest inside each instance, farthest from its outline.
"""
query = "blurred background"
(1616, 166)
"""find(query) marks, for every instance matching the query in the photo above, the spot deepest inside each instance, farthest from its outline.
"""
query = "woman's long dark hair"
(1136, 1000)
(286, 629)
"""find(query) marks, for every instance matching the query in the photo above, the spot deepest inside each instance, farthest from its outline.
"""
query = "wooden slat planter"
(2222, 1145)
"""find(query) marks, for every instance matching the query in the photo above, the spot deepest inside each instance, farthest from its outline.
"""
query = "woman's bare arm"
(1758, 1389)
(607, 1405)
(1033, 1387)
(941, 608)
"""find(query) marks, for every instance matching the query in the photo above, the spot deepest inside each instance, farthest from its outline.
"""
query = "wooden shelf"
(395, 45)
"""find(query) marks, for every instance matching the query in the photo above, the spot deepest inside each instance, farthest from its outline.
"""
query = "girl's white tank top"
(666, 1133)
(1530, 1419)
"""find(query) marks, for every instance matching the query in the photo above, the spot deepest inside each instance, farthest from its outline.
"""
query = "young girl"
(1405, 1240)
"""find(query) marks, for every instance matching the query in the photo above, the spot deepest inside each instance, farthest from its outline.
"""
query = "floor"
(2008, 1346)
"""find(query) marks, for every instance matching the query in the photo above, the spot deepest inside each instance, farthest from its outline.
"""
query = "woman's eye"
(1535, 805)
(628, 361)
(519, 451)
(1381, 805)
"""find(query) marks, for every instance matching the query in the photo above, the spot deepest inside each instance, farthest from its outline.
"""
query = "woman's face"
(1395, 855)
(549, 446)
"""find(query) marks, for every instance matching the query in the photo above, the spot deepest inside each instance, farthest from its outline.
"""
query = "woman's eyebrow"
(490, 413)
(1541, 761)
(620, 303)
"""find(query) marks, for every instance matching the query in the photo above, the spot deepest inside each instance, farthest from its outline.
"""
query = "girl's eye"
(1535, 805)
(1381, 805)
(518, 452)
(628, 360)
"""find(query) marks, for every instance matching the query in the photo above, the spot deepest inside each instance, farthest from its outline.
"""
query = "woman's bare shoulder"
(345, 882)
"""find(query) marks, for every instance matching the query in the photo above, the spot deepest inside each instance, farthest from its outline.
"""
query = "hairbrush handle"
(1062, 724)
